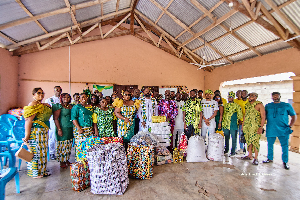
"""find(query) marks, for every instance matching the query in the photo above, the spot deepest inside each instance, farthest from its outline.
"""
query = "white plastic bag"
(196, 150)
(215, 149)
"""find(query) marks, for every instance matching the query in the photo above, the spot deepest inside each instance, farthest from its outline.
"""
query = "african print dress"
(38, 140)
(64, 143)
(126, 130)
(104, 121)
(192, 109)
(84, 117)
(251, 124)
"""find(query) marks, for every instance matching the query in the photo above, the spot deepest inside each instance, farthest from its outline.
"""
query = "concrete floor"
(231, 179)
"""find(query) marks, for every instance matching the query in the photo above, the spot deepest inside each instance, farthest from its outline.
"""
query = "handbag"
(24, 154)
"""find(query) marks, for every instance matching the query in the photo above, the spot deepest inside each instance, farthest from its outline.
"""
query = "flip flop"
(246, 158)
(47, 174)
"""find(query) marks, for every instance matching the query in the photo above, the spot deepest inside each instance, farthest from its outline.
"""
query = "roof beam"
(146, 31)
(30, 14)
(200, 7)
(171, 1)
(72, 14)
(250, 8)
(7, 38)
(116, 26)
(283, 17)
(48, 14)
(64, 30)
(133, 6)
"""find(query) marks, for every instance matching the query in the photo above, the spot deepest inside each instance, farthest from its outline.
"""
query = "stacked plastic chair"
(18, 132)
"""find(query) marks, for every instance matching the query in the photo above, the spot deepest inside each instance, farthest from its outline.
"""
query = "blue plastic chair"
(18, 133)
(5, 143)
(9, 119)
(7, 174)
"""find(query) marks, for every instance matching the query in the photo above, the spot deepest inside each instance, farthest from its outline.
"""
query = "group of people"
(59, 121)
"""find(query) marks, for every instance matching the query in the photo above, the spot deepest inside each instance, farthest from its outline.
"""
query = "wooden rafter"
(82, 35)
(283, 17)
(48, 14)
(73, 14)
(117, 5)
(30, 14)
(250, 8)
(169, 43)
(54, 33)
(132, 8)
(7, 38)
(143, 27)
(116, 26)
(51, 42)
(162, 13)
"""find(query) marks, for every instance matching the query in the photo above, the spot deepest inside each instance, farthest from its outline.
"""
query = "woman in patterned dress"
(37, 115)
(103, 120)
(64, 129)
(81, 115)
(125, 111)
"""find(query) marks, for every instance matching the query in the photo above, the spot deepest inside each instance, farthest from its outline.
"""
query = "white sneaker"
(226, 154)
(232, 155)
(240, 151)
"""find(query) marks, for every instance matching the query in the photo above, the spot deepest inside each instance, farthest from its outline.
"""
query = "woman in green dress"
(219, 115)
(103, 120)
(64, 129)
(37, 115)
(125, 111)
(81, 115)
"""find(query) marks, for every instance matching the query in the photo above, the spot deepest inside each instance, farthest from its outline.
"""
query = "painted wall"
(123, 60)
(8, 81)
(279, 62)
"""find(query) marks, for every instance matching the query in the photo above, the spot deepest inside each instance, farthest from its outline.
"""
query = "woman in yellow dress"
(125, 111)
(37, 115)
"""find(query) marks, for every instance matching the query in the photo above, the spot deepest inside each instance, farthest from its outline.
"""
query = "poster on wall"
(106, 90)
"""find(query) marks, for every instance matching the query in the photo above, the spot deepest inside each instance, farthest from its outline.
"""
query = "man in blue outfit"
(277, 114)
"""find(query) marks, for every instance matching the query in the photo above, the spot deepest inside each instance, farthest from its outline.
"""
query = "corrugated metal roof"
(265, 4)
(168, 24)
(255, 35)
(208, 4)
(56, 22)
(163, 3)
(208, 54)
(124, 4)
(236, 20)
(278, 46)
(7, 9)
(4, 41)
(74, 2)
(205, 22)
(243, 56)
(221, 61)
(88, 13)
(180, 9)
(41, 6)
(184, 37)
(221, 10)
(282, 22)
(194, 44)
(23, 31)
(109, 7)
(213, 33)
(293, 12)
(279, 2)
(229, 45)
(149, 9)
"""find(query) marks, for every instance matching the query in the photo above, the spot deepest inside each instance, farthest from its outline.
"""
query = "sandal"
(47, 174)
(68, 163)
(63, 165)
(246, 158)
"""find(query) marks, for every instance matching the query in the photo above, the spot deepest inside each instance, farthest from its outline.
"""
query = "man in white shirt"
(148, 108)
(179, 122)
(209, 111)
(52, 141)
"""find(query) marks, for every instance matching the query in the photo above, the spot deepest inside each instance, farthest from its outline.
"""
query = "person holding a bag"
(64, 129)
(37, 115)
(125, 111)
(232, 113)
(81, 115)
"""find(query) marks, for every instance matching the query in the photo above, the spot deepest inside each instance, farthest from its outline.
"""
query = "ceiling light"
(230, 4)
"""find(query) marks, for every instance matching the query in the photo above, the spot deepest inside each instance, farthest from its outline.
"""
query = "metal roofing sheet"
(109, 7)
(168, 24)
(293, 12)
(221, 10)
(88, 13)
(220, 61)
(184, 11)
(213, 33)
(208, 54)
(229, 45)
(279, 2)
(265, 4)
(4, 41)
(205, 22)
(280, 20)
(74, 2)
(3, 2)
(41, 6)
(208, 4)
(56, 22)
(254, 34)
(23, 31)
(7, 9)
(236, 20)
(124, 4)
(194, 44)
(149, 9)
(163, 3)
(280, 45)
(184, 37)
(243, 56)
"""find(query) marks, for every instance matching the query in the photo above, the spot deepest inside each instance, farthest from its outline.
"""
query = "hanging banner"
(106, 90)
